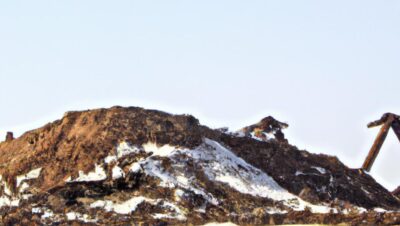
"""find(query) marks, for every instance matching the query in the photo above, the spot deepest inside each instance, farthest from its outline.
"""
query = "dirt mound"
(134, 165)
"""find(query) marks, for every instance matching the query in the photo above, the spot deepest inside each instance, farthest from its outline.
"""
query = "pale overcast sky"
(325, 67)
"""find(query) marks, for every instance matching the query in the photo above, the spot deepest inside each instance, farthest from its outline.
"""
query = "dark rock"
(9, 136)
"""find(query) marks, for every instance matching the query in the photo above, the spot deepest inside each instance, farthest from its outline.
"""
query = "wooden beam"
(374, 151)
(396, 128)
(380, 121)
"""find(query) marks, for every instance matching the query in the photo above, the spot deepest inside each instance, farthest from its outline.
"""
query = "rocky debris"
(396, 192)
(267, 128)
(131, 165)
(9, 136)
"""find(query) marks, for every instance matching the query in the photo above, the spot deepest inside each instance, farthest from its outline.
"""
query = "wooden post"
(396, 128)
(373, 153)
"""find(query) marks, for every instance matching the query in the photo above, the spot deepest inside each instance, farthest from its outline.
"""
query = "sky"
(325, 67)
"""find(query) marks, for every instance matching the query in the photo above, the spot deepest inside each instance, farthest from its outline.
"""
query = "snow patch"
(69, 179)
(299, 173)
(320, 169)
(122, 208)
(163, 151)
(271, 210)
(98, 175)
(5, 186)
(131, 205)
(265, 136)
(107, 205)
(117, 172)
(380, 210)
(33, 174)
(354, 209)
(178, 194)
(36, 210)
(7, 198)
(168, 216)
(72, 216)
(177, 213)
(135, 167)
(6, 201)
(360, 209)
(111, 158)
(125, 148)
(24, 186)
(26, 196)
(47, 214)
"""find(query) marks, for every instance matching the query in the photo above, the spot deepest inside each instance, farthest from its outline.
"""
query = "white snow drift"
(220, 165)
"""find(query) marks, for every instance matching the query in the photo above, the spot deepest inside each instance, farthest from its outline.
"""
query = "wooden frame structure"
(387, 121)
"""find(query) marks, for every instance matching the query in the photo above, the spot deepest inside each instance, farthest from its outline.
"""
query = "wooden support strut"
(396, 128)
(387, 121)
